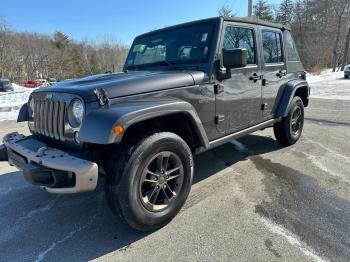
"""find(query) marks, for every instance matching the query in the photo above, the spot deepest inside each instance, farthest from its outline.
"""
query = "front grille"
(49, 118)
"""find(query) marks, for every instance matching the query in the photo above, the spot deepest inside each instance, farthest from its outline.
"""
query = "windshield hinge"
(218, 88)
(102, 96)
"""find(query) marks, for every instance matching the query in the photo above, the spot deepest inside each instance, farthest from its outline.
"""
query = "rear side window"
(237, 37)
(272, 47)
(292, 53)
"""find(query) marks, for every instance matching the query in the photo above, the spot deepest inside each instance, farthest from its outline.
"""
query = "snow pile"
(329, 85)
(11, 102)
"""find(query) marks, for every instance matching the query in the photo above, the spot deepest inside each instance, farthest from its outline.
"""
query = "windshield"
(190, 44)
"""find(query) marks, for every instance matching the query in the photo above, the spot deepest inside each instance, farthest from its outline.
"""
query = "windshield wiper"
(132, 67)
(164, 62)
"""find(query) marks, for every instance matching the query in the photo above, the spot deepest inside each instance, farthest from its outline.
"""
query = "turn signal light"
(118, 130)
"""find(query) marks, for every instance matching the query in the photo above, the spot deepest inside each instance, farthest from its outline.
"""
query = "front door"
(238, 105)
(274, 69)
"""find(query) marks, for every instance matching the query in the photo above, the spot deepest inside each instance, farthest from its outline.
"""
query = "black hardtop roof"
(247, 20)
(255, 20)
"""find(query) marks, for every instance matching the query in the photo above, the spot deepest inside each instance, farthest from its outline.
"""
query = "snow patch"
(329, 85)
(11, 102)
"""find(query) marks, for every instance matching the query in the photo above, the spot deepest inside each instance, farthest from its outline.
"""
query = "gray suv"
(5, 85)
(347, 71)
(184, 89)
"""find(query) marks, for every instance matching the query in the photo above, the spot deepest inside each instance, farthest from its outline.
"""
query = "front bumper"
(55, 171)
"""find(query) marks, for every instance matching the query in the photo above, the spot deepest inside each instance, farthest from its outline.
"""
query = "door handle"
(255, 77)
(281, 73)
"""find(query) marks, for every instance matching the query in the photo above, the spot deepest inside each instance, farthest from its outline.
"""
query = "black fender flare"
(289, 91)
(23, 113)
(97, 127)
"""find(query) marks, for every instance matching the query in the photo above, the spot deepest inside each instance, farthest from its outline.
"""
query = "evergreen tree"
(285, 12)
(263, 10)
(226, 11)
(60, 40)
(77, 63)
(95, 67)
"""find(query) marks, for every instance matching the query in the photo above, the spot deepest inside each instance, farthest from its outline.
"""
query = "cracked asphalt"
(252, 200)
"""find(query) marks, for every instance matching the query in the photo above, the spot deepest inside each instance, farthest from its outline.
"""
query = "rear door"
(238, 103)
(274, 69)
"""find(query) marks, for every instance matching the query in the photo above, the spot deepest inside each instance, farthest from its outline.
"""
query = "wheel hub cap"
(161, 181)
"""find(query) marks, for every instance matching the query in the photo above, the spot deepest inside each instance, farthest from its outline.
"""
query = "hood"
(124, 84)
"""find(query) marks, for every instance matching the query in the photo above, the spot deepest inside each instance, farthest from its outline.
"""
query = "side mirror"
(234, 58)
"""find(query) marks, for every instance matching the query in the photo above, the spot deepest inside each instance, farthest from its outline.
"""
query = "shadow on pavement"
(35, 225)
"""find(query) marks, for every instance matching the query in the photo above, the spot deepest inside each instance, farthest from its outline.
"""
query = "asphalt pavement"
(252, 200)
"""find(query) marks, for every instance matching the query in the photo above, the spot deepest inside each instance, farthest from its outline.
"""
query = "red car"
(32, 83)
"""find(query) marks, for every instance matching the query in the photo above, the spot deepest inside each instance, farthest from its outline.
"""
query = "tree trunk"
(336, 43)
(346, 50)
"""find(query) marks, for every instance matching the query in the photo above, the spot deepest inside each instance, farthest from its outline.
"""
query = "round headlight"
(77, 113)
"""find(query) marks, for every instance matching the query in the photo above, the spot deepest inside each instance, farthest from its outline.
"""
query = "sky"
(119, 20)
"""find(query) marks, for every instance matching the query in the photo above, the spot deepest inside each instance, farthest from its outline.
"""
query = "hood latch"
(102, 96)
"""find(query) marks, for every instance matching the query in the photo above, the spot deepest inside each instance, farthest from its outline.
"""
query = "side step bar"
(244, 132)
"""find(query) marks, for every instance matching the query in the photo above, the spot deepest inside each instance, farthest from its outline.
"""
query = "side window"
(272, 47)
(236, 37)
(292, 53)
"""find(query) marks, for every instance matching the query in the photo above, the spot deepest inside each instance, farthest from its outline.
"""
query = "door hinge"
(218, 88)
(219, 119)
(263, 106)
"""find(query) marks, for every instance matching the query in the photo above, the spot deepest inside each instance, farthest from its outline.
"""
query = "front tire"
(148, 185)
(288, 131)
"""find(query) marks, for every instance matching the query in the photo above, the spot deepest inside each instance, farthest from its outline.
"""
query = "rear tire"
(148, 185)
(288, 131)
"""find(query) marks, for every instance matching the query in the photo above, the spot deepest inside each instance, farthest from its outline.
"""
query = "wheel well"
(180, 124)
(302, 92)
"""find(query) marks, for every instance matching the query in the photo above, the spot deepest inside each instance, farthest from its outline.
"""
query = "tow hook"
(3, 153)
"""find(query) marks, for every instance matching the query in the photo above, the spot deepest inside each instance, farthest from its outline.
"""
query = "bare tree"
(341, 8)
(4, 44)
(346, 50)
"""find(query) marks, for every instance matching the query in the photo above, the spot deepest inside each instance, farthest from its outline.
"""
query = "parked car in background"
(51, 81)
(5, 85)
(347, 71)
(44, 82)
(32, 83)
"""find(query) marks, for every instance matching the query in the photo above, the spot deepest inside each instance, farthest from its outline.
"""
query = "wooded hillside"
(25, 56)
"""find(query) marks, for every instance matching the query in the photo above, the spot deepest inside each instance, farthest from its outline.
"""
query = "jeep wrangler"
(183, 90)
